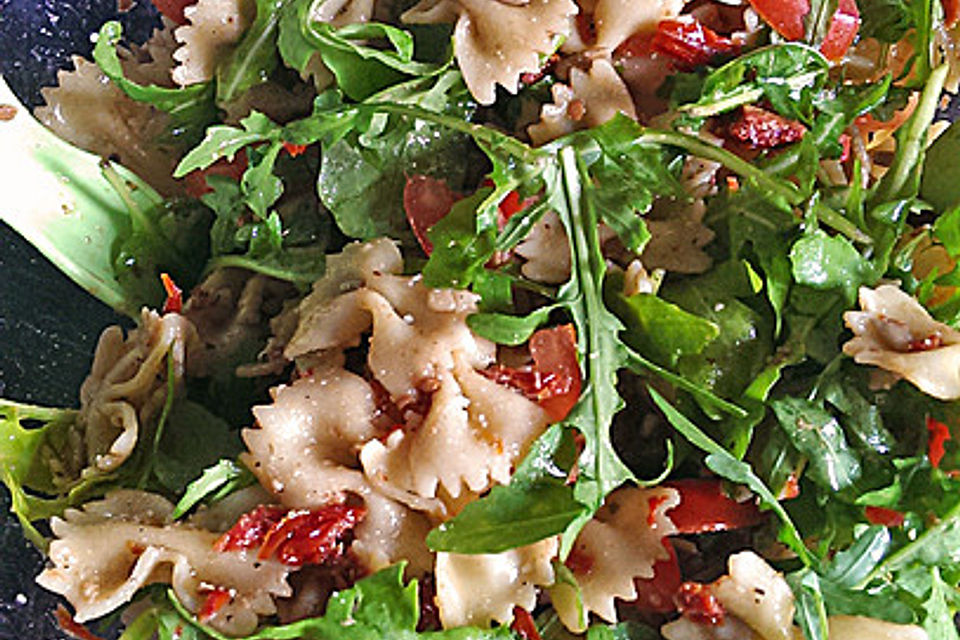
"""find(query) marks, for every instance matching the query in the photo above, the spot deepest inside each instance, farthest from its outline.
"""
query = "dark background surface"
(48, 325)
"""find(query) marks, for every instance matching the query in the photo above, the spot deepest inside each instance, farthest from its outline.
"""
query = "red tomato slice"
(842, 30)
(689, 43)
(426, 201)
(656, 594)
(553, 380)
(195, 182)
(886, 517)
(785, 16)
(554, 354)
(951, 12)
(173, 9)
(704, 507)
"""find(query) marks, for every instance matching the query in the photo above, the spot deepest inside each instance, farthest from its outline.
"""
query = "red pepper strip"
(71, 627)
(174, 301)
(214, 601)
(937, 435)
(294, 149)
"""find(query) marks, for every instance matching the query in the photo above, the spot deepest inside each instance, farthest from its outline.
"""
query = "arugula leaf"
(660, 330)
(822, 261)
(193, 439)
(537, 504)
(459, 251)
(940, 182)
(361, 70)
(724, 464)
(378, 606)
(254, 58)
(811, 611)
(886, 20)
(25, 464)
(818, 435)
(788, 75)
(191, 108)
(225, 141)
(212, 482)
(946, 228)
(363, 174)
(939, 620)
(728, 363)
(902, 179)
(850, 566)
(80, 212)
(509, 330)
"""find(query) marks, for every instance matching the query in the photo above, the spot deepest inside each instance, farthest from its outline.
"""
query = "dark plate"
(48, 325)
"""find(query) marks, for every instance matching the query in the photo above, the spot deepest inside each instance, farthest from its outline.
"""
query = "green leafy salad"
(481, 319)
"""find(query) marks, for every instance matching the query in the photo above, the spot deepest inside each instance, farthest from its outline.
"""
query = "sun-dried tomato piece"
(250, 529)
(697, 602)
(762, 129)
(310, 537)
(689, 43)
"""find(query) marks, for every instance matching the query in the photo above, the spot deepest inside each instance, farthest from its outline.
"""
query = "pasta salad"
(503, 319)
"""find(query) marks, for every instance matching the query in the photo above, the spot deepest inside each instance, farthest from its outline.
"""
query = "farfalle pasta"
(497, 41)
(104, 554)
(606, 351)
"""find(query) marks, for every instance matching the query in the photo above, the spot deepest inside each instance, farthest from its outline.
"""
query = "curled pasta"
(125, 390)
(104, 554)
(496, 41)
